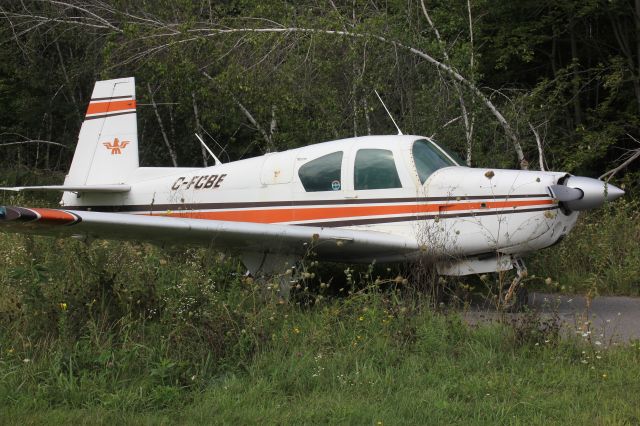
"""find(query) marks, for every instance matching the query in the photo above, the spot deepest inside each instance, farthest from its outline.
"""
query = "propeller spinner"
(579, 193)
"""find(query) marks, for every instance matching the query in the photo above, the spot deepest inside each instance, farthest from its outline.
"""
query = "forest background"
(539, 84)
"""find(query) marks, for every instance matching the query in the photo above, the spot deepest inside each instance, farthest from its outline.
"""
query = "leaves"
(566, 68)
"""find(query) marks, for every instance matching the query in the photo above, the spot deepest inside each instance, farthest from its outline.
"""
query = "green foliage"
(135, 334)
(601, 254)
(567, 69)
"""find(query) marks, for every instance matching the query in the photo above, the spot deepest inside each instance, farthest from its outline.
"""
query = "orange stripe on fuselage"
(111, 106)
(54, 217)
(320, 213)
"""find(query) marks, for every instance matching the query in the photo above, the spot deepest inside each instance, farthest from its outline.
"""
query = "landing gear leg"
(516, 296)
(269, 269)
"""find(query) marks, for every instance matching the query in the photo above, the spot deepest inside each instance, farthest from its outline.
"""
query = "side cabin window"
(428, 159)
(322, 174)
(375, 169)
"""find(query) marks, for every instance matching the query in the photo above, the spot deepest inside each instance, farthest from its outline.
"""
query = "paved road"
(612, 319)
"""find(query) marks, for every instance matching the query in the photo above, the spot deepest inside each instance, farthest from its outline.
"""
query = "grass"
(129, 333)
(601, 255)
(325, 365)
(133, 334)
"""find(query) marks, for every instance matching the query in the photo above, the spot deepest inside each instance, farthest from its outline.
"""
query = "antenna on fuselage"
(385, 108)
(208, 150)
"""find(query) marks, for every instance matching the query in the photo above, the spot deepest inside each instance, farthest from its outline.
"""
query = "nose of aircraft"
(579, 193)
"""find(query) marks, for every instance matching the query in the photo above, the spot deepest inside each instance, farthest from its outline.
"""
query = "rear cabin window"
(375, 169)
(428, 159)
(322, 174)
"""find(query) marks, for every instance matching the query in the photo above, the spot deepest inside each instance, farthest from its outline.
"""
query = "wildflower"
(63, 306)
(360, 318)
(296, 330)
(604, 376)
(26, 360)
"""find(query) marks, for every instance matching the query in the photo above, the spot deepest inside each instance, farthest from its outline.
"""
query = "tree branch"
(539, 143)
(34, 141)
(448, 69)
(468, 125)
(205, 163)
(172, 153)
(635, 155)
(246, 113)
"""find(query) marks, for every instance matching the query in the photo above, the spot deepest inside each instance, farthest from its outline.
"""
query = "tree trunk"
(198, 127)
(172, 153)
(575, 81)
(636, 20)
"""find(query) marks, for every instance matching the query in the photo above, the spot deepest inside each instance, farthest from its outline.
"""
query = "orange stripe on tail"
(111, 106)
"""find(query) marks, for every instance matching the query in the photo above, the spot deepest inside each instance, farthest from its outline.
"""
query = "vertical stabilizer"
(107, 150)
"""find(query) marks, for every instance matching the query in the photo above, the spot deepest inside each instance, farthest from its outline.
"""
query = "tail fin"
(107, 150)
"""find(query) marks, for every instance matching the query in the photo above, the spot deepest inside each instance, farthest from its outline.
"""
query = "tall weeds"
(601, 254)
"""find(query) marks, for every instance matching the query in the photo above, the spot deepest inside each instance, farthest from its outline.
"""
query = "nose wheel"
(516, 297)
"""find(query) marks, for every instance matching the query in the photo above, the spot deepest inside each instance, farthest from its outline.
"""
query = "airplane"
(386, 198)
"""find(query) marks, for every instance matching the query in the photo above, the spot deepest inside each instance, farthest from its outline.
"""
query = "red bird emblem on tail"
(116, 146)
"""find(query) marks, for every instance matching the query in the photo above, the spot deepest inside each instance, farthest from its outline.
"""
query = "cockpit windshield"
(428, 158)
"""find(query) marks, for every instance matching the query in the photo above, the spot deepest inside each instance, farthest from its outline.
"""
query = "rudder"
(107, 150)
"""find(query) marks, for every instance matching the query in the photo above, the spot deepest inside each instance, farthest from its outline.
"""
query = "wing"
(336, 244)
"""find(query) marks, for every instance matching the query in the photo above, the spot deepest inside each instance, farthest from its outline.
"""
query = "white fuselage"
(456, 211)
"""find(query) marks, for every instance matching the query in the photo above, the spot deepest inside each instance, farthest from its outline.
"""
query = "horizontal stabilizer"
(71, 188)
